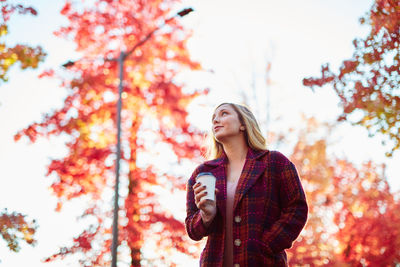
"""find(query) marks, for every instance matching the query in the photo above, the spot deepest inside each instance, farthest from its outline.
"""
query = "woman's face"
(225, 123)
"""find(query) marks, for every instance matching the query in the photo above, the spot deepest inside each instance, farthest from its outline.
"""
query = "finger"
(198, 194)
(196, 187)
(199, 189)
(199, 197)
(197, 184)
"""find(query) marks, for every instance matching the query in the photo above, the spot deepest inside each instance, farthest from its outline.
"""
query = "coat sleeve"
(294, 212)
(195, 227)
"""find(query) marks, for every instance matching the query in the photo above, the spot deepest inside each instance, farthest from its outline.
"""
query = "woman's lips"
(216, 128)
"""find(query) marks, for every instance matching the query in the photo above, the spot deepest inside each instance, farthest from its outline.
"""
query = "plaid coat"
(269, 211)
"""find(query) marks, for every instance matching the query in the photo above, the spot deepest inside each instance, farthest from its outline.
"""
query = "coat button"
(237, 242)
(236, 265)
(238, 219)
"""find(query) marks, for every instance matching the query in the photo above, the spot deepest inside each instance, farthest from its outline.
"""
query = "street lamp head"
(68, 64)
(185, 11)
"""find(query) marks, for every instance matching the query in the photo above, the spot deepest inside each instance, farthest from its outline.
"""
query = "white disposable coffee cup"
(207, 179)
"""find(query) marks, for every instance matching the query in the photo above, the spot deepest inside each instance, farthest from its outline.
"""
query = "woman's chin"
(221, 138)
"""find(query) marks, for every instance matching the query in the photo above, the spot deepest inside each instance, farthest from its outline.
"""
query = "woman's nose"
(215, 120)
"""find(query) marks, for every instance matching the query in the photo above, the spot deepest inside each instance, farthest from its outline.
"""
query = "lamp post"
(114, 244)
(121, 59)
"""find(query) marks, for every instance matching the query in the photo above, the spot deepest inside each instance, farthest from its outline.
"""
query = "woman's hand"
(208, 207)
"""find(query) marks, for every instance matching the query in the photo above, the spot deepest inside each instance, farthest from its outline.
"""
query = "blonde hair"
(254, 138)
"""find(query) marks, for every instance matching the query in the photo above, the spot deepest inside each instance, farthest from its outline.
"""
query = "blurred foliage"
(368, 84)
(14, 228)
(27, 56)
(353, 216)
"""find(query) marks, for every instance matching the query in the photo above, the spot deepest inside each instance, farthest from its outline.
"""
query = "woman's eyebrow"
(213, 116)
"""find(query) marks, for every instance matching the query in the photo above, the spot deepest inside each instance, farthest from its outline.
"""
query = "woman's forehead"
(223, 106)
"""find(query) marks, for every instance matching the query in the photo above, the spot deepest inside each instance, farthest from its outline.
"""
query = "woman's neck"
(236, 151)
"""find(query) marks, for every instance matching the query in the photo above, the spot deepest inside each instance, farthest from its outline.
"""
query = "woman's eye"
(224, 113)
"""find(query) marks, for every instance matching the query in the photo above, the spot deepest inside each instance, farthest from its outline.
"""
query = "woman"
(260, 205)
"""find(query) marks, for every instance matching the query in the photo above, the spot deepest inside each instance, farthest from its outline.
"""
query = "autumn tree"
(368, 84)
(314, 165)
(353, 215)
(367, 216)
(27, 56)
(154, 123)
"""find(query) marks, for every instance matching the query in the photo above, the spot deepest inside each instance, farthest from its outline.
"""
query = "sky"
(232, 40)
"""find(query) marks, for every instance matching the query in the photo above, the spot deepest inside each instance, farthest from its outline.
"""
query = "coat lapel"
(252, 170)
